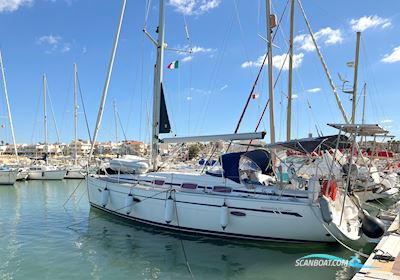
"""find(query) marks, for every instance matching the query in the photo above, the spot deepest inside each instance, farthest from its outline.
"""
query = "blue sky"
(207, 93)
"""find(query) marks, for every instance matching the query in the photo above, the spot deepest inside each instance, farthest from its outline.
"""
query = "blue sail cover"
(230, 163)
(262, 158)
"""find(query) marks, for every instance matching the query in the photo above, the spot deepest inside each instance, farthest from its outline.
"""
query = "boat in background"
(75, 171)
(8, 175)
(45, 171)
(23, 173)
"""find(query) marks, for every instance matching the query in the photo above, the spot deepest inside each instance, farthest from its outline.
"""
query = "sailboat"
(75, 171)
(239, 198)
(45, 171)
(8, 175)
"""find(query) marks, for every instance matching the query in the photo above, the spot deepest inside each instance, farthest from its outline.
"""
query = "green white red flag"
(173, 65)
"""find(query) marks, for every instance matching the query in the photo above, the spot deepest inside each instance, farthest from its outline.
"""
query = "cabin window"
(158, 182)
(222, 189)
(189, 186)
(249, 172)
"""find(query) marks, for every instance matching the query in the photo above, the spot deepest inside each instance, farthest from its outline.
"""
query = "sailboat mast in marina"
(8, 176)
(75, 171)
(45, 171)
(239, 197)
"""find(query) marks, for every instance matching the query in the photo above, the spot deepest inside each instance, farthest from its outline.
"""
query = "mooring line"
(72, 193)
(181, 241)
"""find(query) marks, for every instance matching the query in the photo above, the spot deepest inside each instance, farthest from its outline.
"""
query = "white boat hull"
(8, 177)
(369, 195)
(248, 218)
(46, 175)
(74, 174)
(22, 175)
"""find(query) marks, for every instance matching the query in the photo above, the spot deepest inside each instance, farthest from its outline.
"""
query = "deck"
(390, 247)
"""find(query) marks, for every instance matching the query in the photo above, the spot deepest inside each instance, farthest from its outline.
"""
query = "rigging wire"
(147, 12)
(189, 97)
(246, 53)
(258, 75)
(375, 103)
(83, 108)
(215, 71)
(120, 124)
(141, 69)
(53, 115)
(66, 101)
(311, 113)
(35, 120)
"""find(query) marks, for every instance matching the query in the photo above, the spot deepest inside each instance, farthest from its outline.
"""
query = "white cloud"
(278, 61)
(223, 87)
(49, 39)
(386, 121)
(194, 7)
(84, 49)
(54, 43)
(188, 98)
(392, 57)
(13, 5)
(66, 48)
(294, 96)
(197, 49)
(187, 58)
(327, 35)
(313, 90)
(367, 22)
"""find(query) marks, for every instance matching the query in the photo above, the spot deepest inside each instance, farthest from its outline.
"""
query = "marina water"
(41, 239)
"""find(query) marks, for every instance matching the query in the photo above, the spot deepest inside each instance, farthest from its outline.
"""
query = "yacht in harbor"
(75, 171)
(8, 175)
(46, 171)
(240, 197)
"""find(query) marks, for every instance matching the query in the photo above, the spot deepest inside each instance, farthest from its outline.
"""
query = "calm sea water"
(41, 239)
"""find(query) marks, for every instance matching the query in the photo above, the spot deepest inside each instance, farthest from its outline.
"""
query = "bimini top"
(361, 129)
(309, 145)
(230, 163)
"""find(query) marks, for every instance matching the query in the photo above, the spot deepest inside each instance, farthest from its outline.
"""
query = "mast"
(289, 106)
(363, 111)
(8, 107)
(45, 111)
(354, 103)
(321, 58)
(364, 99)
(107, 82)
(158, 77)
(75, 119)
(270, 78)
(115, 121)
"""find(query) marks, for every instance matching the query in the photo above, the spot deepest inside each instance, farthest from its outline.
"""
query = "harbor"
(265, 149)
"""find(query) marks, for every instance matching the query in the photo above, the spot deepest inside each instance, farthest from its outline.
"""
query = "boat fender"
(128, 203)
(169, 210)
(105, 194)
(372, 227)
(224, 216)
(329, 189)
(326, 211)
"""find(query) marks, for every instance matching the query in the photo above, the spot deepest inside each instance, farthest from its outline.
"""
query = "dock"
(389, 264)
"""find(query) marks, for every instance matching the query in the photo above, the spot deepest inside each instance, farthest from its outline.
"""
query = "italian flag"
(173, 65)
